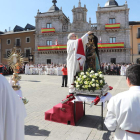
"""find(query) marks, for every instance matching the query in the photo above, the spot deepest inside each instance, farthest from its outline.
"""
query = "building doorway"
(48, 61)
(113, 60)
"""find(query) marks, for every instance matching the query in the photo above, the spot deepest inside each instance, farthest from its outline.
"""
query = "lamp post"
(30, 58)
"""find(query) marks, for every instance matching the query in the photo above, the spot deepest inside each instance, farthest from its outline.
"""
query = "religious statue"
(92, 55)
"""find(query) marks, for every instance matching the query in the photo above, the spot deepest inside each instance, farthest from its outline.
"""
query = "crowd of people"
(55, 69)
(114, 69)
(6, 70)
(41, 69)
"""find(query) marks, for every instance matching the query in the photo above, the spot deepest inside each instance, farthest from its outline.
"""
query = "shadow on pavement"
(30, 80)
(106, 135)
(90, 121)
(34, 131)
(94, 122)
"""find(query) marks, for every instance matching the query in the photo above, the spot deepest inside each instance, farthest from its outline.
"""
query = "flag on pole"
(56, 42)
(100, 40)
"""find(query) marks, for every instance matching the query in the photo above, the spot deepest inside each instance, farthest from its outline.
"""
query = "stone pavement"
(43, 92)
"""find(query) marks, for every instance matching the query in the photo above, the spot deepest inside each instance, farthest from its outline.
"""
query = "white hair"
(70, 34)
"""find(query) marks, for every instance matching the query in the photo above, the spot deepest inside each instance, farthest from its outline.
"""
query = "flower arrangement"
(89, 80)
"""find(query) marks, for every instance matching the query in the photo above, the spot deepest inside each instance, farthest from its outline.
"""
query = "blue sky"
(21, 12)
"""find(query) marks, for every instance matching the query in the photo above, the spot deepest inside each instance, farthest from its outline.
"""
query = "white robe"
(72, 62)
(48, 71)
(122, 70)
(59, 71)
(26, 69)
(12, 113)
(124, 114)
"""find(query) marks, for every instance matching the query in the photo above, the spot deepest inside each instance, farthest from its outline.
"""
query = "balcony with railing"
(93, 26)
(25, 55)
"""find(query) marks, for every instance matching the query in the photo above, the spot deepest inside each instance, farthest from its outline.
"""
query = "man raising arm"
(75, 56)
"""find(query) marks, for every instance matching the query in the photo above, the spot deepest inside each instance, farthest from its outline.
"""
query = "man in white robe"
(122, 70)
(73, 58)
(124, 109)
(58, 71)
(12, 113)
(27, 69)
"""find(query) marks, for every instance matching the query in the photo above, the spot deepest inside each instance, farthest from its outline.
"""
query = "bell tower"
(79, 13)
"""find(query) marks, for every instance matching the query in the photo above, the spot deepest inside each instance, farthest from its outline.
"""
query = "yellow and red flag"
(112, 26)
(47, 30)
(111, 45)
(53, 47)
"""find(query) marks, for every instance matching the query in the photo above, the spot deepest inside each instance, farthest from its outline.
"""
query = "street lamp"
(30, 57)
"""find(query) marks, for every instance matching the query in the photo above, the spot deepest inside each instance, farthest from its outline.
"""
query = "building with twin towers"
(112, 30)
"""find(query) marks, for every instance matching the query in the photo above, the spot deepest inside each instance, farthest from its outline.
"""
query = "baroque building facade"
(113, 29)
(53, 27)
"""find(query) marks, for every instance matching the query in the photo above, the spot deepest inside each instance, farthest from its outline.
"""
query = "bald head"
(71, 36)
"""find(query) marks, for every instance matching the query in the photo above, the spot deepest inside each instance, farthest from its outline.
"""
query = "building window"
(49, 25)
(112, 21)
(138, 33)
(48, 61)
(8, 41)
(18, 42)
(113, 60)
(27, 39)
(112, 39)
(138, 48)
(138, 61)
(27, 52)
(49, 42)
(8, 52)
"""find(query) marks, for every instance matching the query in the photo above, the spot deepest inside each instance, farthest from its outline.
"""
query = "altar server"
(75, 56)
(46, 69)
(12, 113)
(27, 69)
(58, 71)
(123, 70)
(53, 70)
(123, 109)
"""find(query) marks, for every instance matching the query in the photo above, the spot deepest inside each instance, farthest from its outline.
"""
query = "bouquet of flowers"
(89, 80)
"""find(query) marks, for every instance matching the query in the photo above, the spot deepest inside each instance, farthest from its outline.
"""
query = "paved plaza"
(43, 92)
